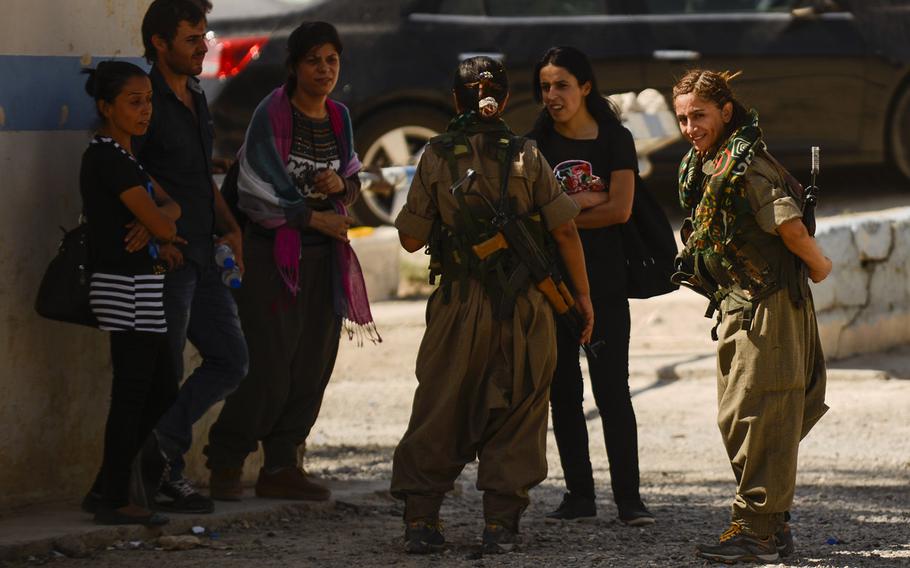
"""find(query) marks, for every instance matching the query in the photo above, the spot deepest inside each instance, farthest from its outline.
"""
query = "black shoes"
(150, 467)
(783, 539)
(635, 514)
(423, 537)
(574, 507)
(182, 497)
(498, 539)
(735, 545)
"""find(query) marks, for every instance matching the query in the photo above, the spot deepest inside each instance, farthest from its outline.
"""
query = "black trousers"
(610, 384)
(142, 390)
(293, 342)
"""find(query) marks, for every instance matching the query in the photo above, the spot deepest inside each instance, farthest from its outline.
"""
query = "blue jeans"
(199, 307)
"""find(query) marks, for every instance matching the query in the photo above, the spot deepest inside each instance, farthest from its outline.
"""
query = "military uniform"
(483, 380)
(770, 365)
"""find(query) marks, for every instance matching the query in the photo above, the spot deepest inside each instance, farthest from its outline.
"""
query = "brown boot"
(290, 483)
(225, 485)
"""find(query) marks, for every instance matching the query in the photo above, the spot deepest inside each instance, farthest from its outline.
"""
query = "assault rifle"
(512, 234)
(810, 194)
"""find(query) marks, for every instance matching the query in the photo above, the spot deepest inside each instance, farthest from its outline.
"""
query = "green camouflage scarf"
(719, 202)
(470, 123)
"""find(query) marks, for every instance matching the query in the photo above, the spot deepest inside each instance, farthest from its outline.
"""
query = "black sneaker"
(783, 539)
(635, 515)
(423, 537)
(498, 539)
(149, 469)
(574, 507)
(182, 497)
(735, 545)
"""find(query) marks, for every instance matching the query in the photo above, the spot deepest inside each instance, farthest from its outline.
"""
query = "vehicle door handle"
(676, 55)
(501, 57)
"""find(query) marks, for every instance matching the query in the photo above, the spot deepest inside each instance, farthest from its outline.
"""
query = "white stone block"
(874, 330)
(823, 293)
(851, 286)
(873, 239)
(378, 256)
(888, 286)
(836, 241)
(900, 254)
(830, 326)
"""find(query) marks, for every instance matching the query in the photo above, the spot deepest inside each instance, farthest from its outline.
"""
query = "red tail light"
(227, 57)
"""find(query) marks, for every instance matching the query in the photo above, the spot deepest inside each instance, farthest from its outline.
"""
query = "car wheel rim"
(399, 147)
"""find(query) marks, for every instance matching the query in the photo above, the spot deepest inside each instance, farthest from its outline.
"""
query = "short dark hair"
(163, 17)
(106, 81)
(477, 78)
(577, 63)
(304, 38)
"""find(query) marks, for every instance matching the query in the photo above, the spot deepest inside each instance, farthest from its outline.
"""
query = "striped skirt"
(128, 303)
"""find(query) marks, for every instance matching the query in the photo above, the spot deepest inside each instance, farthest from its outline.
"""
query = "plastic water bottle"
(224, 256)
(232, 278)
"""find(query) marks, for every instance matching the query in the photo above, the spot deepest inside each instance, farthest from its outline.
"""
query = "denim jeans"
(199, 307)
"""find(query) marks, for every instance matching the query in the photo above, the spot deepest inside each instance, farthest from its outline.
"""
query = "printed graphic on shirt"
(313, 149)
(577, 175)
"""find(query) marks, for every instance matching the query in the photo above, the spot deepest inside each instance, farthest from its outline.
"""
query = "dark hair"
(163, 17)
(714, 87)
(106, 81)
(477, 78)
(575, 62)
(304, 38)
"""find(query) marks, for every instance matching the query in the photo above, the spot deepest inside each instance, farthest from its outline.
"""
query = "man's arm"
(227, 227)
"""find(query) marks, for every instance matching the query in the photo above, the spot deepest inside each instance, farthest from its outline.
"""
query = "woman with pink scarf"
(297, 173)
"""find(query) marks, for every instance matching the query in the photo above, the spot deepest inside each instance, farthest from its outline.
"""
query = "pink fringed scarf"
(350, 293)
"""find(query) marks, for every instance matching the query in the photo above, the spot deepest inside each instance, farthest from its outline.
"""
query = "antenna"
(814, 161)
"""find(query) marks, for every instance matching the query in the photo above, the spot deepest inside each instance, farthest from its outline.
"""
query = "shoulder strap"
(506, 148)
(450, 146)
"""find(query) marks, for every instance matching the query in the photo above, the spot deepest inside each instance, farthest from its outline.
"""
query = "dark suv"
(818, 73)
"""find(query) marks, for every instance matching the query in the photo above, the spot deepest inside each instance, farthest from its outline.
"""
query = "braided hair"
(714, 87)
(481, 84)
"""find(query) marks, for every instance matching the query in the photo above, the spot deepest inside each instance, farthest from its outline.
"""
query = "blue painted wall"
(34, 89)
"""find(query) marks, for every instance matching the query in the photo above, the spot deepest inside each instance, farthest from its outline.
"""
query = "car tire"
(392, 137)
(899, 139)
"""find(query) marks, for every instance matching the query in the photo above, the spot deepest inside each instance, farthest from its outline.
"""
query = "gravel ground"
(853, 487)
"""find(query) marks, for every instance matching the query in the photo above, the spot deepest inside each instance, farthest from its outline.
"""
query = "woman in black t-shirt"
(594, 156)
(131, 228)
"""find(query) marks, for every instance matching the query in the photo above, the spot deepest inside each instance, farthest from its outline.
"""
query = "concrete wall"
(864, 305)
(54, 378)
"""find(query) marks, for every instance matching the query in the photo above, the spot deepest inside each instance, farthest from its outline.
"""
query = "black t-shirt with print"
(107, 171)
(613, 149)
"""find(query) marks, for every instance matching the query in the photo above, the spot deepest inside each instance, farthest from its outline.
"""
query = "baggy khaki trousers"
(483, 393)
(770, 393)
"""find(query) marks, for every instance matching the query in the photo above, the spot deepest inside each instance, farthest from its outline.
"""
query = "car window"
(546, 7)
(702, 6)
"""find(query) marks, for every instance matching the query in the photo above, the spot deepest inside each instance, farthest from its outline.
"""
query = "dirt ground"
(852, 505)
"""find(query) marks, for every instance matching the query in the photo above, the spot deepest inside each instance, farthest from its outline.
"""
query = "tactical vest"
(452, 258)
(754, 263)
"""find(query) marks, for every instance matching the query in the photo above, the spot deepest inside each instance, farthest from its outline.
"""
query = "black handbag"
(64, 291)
(649, 247)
